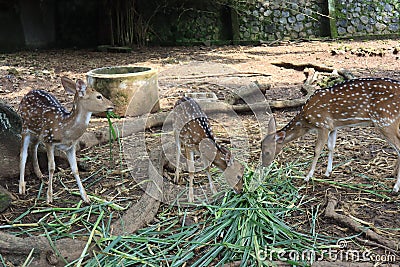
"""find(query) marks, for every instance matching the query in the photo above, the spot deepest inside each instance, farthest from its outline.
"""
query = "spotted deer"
(358, 102)
(45, 120)
(193, 133)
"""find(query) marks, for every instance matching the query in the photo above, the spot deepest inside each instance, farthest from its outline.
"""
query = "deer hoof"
(39, 174)
(396, 188)
(22, 188)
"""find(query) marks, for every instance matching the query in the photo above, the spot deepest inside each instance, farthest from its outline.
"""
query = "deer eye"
(99, 97)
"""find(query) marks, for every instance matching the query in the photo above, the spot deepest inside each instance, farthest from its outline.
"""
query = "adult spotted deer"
(358, 102)
(193, 134)
(46, 120)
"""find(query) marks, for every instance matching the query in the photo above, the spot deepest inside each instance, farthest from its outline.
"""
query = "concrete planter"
(132, 89)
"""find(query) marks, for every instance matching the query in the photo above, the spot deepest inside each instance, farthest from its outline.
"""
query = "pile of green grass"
(249, 228)
(252, 228)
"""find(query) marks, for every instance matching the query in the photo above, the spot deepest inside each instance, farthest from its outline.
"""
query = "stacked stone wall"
(358, 17)
(272, 20)
(250, 21)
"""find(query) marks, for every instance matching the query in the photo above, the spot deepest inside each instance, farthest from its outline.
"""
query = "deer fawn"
(359, 102)
(193, 134)
(46, 120)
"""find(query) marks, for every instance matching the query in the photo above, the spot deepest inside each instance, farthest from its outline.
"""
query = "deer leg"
(319, 145)
(71, 155)
(212, 187)
(51, 166)
(190, 162)
(393, 137)
(22, 161)
(178, 158)
(331, 146)
(396, 168)
(397, 184)
(208, 153)
(36, 167)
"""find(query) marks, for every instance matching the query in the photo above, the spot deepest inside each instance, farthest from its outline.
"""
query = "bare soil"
(361, 157)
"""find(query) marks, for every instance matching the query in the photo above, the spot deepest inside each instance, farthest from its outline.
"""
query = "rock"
(342, 23)
(277, 13)
(267, 13)
(355, 22)
(380, 26)
(388, 7)
(341, 31)
(351, 29)
(394, 27)
(285, 14)
(300, 17)
(308, 12)
(298, 27)
(10, 141)
(308, 25)
(294, 35)
(295, 6)
(369, 28)
(386, 19)
(269, 28)
(370, 8)
(372, 21)
(364, 19)
(292, 20)
(5, 199)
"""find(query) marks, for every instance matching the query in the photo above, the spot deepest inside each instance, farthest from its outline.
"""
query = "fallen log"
(146, 208)
(16, 249)
(318, 67)
(238, 94)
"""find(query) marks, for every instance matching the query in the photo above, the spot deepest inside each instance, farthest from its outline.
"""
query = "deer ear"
(69, 85)
(271, 125)
(81, 87)
(280, 137)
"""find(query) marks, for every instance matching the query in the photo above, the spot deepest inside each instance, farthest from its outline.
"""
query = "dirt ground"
(361, 156)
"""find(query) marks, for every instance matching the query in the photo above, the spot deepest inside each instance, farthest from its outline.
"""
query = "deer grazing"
(193, 134)
(358, 102)
(46, 120)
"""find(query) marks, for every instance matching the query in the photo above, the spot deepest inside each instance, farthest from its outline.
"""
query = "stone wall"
(367, 17)
(272, 20)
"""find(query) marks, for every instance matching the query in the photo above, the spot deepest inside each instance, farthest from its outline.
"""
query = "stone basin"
(132, 89)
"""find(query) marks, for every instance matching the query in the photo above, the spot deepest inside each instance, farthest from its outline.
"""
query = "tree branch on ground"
(354, 225)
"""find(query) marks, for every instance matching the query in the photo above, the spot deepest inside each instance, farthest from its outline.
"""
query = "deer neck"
(296, 128)
(77, 121)
(219, 160)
